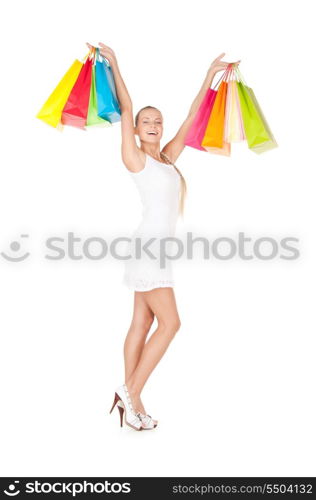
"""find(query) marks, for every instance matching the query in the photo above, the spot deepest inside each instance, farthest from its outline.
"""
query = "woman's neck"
(152, 151)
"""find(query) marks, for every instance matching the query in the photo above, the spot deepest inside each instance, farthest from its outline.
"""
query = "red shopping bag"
(76, 108)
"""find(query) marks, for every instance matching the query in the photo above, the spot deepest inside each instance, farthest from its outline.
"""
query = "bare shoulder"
(171, 153)
(135, 160)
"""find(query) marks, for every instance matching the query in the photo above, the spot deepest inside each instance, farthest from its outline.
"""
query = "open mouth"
(152, 133)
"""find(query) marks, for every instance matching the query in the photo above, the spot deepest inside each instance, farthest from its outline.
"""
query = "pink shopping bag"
(196, 133)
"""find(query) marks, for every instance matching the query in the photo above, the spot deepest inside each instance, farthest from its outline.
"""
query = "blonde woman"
(162, 189)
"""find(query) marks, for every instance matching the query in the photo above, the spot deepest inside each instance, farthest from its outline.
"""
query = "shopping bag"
(76, 108)
(197, 130)
(213, 140)
(225, 150)
(51, 111)
(233, 128)
(213, 136)
(108, 105)
(258, 133)
(92, 118)
(269, 144)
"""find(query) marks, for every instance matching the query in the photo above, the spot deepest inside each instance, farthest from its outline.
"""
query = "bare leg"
(142, 320)
(162, 303)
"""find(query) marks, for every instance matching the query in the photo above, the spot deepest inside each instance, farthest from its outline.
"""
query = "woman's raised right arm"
(131, 155)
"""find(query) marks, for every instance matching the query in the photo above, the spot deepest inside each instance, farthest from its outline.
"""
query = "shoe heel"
(121, 410)
(123, 401)
(116, 399)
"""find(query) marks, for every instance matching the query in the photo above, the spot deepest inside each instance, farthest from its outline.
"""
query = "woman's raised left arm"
(175, 147)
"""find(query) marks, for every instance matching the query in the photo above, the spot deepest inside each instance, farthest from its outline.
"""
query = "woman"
(162, 189)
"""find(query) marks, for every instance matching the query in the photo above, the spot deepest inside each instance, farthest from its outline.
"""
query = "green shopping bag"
(258, 134)
(271, 143)
(92, 118)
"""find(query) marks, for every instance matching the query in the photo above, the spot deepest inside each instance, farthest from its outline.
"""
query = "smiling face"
(149, 125)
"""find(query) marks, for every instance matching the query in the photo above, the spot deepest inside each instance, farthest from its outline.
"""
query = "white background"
(234, 394)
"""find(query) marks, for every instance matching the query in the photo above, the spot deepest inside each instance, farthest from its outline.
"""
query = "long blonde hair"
(183, 187)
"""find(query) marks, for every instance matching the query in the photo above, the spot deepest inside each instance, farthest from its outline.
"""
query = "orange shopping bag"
(213, 140)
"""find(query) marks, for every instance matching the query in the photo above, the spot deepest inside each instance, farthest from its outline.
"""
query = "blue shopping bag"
(108, 105)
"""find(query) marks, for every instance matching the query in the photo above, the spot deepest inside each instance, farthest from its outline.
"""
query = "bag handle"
(94, 56)
(100, 57)
(89, 55)
(231, 73)
(239, 75)
(225, 74)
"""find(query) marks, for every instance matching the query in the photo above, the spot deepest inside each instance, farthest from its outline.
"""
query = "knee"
(171, 326)
(176, 325)
(142, 326)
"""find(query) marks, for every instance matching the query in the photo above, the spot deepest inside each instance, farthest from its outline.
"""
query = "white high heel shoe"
(123, 400)
(147, 421)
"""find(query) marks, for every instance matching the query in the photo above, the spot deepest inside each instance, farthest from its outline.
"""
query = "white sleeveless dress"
(159, 187)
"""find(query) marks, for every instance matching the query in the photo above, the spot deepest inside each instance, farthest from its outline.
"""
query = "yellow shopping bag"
(52, 109)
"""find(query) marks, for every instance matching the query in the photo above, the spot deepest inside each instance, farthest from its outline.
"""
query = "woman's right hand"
(106, 52)
(218, 65)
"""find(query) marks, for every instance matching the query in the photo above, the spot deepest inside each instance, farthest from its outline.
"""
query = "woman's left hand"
(218, 65)
(106, 52)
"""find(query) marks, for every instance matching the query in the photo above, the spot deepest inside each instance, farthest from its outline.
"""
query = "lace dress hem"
(140, 285)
